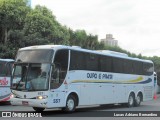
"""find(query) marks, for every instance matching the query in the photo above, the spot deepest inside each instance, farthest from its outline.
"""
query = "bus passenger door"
(58, 76)
(57, 89)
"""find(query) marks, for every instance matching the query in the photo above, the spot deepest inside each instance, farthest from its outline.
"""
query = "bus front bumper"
(29, 102)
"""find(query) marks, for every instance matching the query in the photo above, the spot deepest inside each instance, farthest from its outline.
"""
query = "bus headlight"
(42, 97)
(12, 96)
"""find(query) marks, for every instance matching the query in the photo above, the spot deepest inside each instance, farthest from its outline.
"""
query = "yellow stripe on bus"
(139, 79)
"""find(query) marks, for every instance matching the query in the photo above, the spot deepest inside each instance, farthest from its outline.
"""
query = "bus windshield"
(31, 76)
(2, 68)
(32, 56)
(5, 68)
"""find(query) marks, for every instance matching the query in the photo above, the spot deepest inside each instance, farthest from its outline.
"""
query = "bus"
(66, 77)
(5, 76)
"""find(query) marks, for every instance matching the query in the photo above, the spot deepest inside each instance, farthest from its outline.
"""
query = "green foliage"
(37, 23)
(35, 39)
(7, 51)
(45, 12)
(12, 13)
(22, 26)
(16, 38)
(12, 16)
(78, 37)
(62, 37)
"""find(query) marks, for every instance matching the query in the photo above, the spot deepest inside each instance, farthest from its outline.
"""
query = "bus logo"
(3, 81)
(6, 114)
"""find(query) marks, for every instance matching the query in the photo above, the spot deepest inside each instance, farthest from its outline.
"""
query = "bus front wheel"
(37, 109)
(70, 104)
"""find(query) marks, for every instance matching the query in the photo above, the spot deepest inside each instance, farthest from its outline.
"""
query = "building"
(109, 40)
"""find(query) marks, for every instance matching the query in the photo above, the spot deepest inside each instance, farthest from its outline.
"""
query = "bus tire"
(138, 100)
(131, 100)
(70, 104)
(37, 109)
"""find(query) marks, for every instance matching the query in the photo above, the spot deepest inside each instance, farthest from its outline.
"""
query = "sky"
(134, 23)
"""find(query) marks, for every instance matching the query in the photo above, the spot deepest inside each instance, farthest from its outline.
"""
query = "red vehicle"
(5, 76)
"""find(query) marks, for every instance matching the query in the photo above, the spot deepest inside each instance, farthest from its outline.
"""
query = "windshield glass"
(5, 68)
(31, 77)
(2, 68)
(32, 56)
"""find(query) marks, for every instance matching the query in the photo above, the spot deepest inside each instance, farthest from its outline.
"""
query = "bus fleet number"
(56, 100)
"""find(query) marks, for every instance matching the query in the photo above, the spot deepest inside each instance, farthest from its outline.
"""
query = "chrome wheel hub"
(70, 104)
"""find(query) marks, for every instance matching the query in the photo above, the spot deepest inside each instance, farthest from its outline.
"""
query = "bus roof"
(77, 48)
(7, 60)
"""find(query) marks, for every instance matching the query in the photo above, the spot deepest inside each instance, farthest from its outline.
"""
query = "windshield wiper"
(18, 83)
(32, 86)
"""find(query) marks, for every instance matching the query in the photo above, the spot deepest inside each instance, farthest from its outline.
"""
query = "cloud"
(134, 23)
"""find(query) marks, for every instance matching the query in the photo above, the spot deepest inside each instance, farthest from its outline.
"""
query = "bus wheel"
(138, 100)
(70, 104)
(37, 109)
(131, 100)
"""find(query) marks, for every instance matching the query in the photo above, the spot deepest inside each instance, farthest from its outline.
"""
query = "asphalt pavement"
(89, 112)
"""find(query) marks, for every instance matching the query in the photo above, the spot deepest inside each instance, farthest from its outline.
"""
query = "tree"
(91, 42)
(12, 15)
(63, 35)
(78, 37)
(41, 22)
(37, 23)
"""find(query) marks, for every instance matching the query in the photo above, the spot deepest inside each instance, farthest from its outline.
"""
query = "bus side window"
(55, 78)
(56, 74)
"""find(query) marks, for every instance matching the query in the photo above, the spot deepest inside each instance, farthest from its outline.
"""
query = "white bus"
(57, 76)
(5, 76)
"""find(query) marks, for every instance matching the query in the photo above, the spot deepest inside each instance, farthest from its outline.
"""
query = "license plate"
(24, 103)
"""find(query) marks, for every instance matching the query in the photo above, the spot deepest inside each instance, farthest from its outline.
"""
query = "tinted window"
(138, 68)
(118, 65)
(92, 62)
(59, 70)
(128, 66)
(34, 56)
(5, 68)
(9, 67)
(106, 64)
(77, 60)
(148, 68)
(84, 61)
